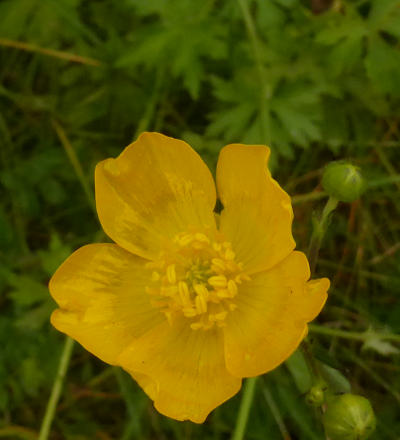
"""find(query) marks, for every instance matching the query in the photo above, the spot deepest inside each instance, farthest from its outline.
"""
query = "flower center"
(197, 278)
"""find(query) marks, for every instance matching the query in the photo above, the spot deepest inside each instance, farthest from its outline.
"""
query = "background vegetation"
(316, 80)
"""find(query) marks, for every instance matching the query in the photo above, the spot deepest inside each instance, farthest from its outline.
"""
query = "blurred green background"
(317, 80)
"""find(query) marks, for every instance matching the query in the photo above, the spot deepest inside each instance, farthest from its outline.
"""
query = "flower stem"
(319, 232)
(56, 390)
(265, 130)
(245, 406)
(73, 158)
(357, 336)
(309, 197)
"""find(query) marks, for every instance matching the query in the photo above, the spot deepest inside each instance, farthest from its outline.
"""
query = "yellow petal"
(185, 369)
(271, 318)
(100, 290)
(257, 215)
(157, 187)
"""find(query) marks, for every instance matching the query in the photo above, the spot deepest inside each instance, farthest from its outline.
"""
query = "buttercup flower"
(187, 301)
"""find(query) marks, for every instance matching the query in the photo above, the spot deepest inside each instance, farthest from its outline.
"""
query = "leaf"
(385, 16)
(375, 342)
(56, 253)
(335, 379)
(26, 290)
(383, 65)
(299, 370)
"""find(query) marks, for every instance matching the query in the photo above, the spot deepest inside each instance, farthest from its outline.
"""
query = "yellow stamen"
(201, 290)
(223, 293)
(220, 316)
(217, 281)
(229, 254)
(232, 288)
(171, 274)
(202, 237)
(185, 239)
(196, 279)
(184, 293)
(201, 304)
(218, 265)
(189, 312)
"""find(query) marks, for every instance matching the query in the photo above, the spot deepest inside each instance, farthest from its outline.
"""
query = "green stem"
(245, 406)
(310, 361)
(56, 390)
(357, 336)
(150, 109)
(319, 232)
(309, 197)
(275, 412)
(264, 113)
(395, 179)
(73, 158)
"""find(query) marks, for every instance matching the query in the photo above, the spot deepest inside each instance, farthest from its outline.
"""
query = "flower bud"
(316, 394)
(343, 181)
(349, 417)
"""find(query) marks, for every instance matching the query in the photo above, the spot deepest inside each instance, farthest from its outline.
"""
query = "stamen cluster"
(198, 279)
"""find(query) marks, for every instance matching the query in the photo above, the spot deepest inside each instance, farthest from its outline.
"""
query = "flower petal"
(257, 215)
(157, 187)
(187, 369)
(272, 314)
(100, 289)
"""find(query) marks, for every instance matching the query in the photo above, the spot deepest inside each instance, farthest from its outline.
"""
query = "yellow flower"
(187, 301)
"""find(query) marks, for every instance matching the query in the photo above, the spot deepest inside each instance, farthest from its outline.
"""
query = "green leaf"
(299, 370)
(385, 16)
(56, 253)
(335, 379)
(383, 65)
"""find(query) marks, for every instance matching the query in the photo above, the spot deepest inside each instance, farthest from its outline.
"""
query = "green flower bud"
(343, 181)
(316, 394)
(349, 417)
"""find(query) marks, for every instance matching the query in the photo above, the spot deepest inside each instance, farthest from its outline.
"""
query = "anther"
(189, 312)
(201, 304)
(217, 247)
(184, 293)
(201, 237)
(229, 254)
(223, 293)
(232, 288)
(171, 274)
(218, 265)
(201, 290)
(217, 281)
(220, 316)
(185, 239)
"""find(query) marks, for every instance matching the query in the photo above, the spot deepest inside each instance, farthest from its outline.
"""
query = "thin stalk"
(150, 109)
(395, 179)
(310, 361)
(309, 197)
(357, 336)
(29, 47)
(275, 412)
(319, 232)
(245, 406)
(255, 43)
(76, 165)
(17, 432)
(56, 390)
